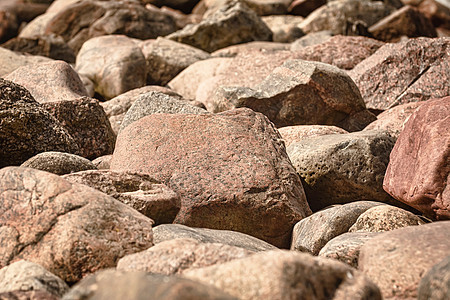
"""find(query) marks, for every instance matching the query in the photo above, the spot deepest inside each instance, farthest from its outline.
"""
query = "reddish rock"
(397, 260)
(293, 134)
(244, 183)
(419, 168)
(305, 7)
(408, 71)
(69, 229)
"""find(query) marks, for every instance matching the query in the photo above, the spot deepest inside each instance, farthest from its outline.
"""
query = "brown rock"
(59, 163)
(69, 229)
(10, 61)
(435, 284)
(244, 183)
(185, 6)
(396, 260)
(419, 168)
(286, 275)
(260, 7)
(179, 255)
(9, 25)
(139, 191)
(284, 27)
(437, 11)
(311, 39)
(293, 134)
(305, 7)
(28, 295)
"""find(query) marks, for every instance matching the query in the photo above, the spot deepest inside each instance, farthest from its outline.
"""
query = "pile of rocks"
(224, 149)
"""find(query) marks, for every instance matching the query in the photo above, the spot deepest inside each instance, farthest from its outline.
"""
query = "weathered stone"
(244, 183)
(28, 295)
(139, 191)
(10, 61)
(435, 284)
(69, 229)
(396, 260)
(293, 134)
(115, 64)
(179, 255)
(59, 163)
(49, 82)
(27, 276)
(286, 275)
(102, 162)
(419, 170)
(311, 39)
(259, 46)
(385, 218)
(157, 102)
(305, 7)
(284, 27)
(346, 247)
(343, 168)
(312, 233)
(408, 71)
(233, 23)
(260, 7)
(87, 123)
(20, 141)
(166, 58)
(169, 232)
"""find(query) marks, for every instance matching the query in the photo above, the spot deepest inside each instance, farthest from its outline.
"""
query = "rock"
(396, 260)
(286, 275)
(234, 23)
(10, 61)
(86, 19)
(69, 229)
(166, 58)
(59, 163)
(346, 17)
(385, 218)
(115, 64)
(260, 7)
(259, 46)
(167, 232)
(293, 134)
(343, 168)
(244, 183)
(438, 11)
(312, 233)
(18, 140)
(185, 6)
(27, 276)
(87, 123)
(49, 82)
(102, 162)
(394, 119)
(139, 191)
(344, 52)
(300, 93)
(117, 107)
(157, 102)
(423, 145)
(179, 255)
(311, 39)
(408, 71)
(118, 285)
(27, 295)
(406, 21)
(9, 25)
(305, 7)
(435, 284)
(284, 27)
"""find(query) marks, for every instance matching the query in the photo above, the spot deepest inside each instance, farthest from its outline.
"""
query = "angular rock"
(69, 229)
(419, 170)
(408, 71)
(305, 7)
(169, 232)
(18, 139)
(166, 58)
(139, 191)
(346, 247)
(10, 61)
(58, 163)
(284, 27)
(300, 93)
(118, 285)
(49, 82)
(344, 52)
(286, 275)
(27, 276)
(312, 233)
(407, 21)
(385, 218)
(293, 134)
(435, 284)
(396, 260)
(234, 23)
(115, 64)
(28, 295)
(179, 255)
(157, 102)
(87, 123)
(244, 183)
(343, 168)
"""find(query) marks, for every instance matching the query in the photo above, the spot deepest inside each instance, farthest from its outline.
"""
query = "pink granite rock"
(293, 134)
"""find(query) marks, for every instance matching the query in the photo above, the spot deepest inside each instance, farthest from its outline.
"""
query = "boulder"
(284, 27)
(397, 260)
(115, 64)
(59, 163)
(244, 183)
(418, 171)
(69, 229)
(139, 191)
(11, 60)
(435, 284)
(293, 134)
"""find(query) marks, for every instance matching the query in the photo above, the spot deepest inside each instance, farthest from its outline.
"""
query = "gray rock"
(28, 295)
(284, 27)
(102, 162)
(435, 284)
(58, 163)
(311, 39)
